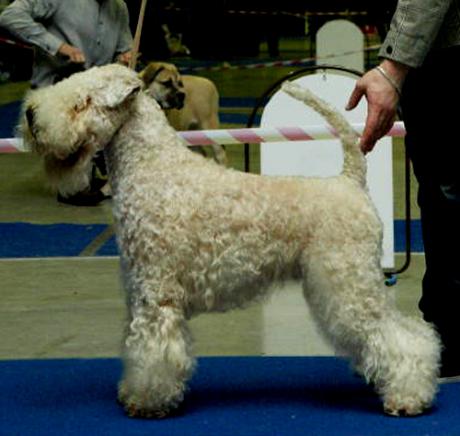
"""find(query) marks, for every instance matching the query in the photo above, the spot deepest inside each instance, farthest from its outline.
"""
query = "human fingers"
(124, 58)
(73, 53)
(77, 56)
(355, 97)
(378, 123)
(368, 137)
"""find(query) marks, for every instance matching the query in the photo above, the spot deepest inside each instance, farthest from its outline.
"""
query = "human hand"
(382, 99)
(73, 53)
(125, 58)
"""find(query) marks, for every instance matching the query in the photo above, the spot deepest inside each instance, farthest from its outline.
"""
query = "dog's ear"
(120, 92)
(150, 72)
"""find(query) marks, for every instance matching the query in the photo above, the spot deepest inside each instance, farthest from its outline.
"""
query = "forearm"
(20, 18)
(413, 30)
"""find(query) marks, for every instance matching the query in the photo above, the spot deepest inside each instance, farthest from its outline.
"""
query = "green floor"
(68, 307)
(74, 307)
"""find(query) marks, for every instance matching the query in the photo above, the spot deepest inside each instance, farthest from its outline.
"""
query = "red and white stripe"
(240, 136)
(11, 145)
(272, 134)
(281, 63)
(345, 13)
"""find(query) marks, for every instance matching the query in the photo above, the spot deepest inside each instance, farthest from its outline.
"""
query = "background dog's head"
(85, 110)
(163, 82)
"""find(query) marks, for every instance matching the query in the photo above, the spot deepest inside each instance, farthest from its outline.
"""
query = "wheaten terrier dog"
(195, 237)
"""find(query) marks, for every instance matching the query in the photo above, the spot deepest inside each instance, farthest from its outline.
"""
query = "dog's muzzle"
(178, 100)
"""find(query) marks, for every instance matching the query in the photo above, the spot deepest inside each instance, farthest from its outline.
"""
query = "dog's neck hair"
(123, 154)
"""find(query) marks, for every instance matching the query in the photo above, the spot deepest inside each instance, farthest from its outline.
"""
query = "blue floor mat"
(60, 240)
(46, 240)
(228, 396)
(9, 115)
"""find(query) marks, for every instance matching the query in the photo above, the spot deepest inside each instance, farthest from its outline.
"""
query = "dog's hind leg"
(157, 357)
(399, 355)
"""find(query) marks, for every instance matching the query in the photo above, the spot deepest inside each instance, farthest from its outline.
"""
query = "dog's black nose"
(179, 99)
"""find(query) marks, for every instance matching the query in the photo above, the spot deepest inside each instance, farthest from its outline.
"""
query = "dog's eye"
(180, 83)
(167, 83)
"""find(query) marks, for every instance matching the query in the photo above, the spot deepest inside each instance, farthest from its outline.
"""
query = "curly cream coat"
(196, 237)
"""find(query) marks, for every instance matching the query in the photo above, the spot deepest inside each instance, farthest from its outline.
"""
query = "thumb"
(355, 97)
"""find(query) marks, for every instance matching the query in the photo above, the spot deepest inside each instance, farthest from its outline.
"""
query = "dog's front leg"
(157, 360)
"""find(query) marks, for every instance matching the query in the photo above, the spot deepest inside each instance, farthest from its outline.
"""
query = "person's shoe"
(450, 367)
(97, 183)
(450, 373)
(85, 198)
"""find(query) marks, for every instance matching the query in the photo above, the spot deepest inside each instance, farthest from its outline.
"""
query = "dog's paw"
(145, 406)
(399, 408)
(135, 411)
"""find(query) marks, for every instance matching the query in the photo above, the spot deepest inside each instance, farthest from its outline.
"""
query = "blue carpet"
(59, 240)
(232, 102)
(229, 396)
(46, 240)
(416, 241)
(9, 115)
(235, 118)
(109, 248)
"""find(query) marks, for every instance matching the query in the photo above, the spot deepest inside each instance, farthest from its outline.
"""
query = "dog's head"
(163, 82)
(86, 109)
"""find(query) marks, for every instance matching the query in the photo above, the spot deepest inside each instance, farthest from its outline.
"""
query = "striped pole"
(241, 136)
(272, 134)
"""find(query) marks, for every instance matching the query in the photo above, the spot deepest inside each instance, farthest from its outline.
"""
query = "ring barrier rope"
(285, 63)
(302, 15)
(227, 66)
(240, 136)
(15, 43)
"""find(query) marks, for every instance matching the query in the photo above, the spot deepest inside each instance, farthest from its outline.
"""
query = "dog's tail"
(354, 163)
